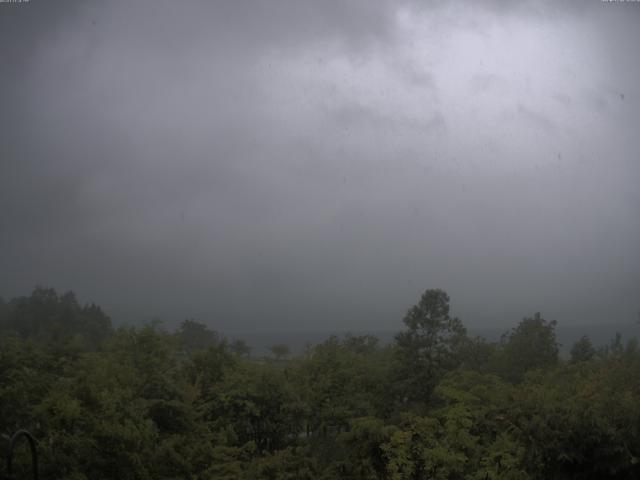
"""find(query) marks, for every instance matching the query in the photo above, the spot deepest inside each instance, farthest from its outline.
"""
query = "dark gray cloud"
(311, 165)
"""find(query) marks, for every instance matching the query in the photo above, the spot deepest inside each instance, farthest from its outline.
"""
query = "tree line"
(146, 403)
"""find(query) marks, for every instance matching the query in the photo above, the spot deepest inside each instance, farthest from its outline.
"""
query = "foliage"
(429, 347)
(582, 350)
(55, 320)
(142, 403)
(532, 344)
(193, 336)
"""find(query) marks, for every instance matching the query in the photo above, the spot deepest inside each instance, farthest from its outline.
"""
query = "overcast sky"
(318, 164)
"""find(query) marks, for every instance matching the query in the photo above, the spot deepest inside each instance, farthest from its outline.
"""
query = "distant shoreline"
(297, 341)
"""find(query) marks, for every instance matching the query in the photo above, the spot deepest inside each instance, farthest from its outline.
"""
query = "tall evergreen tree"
(429, 347)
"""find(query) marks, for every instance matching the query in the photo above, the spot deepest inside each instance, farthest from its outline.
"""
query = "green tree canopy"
(56, 319)
(429, 346)
(530, 345)
(193, 336)
(583, 350)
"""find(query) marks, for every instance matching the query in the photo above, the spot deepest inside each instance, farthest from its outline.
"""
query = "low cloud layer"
(312, 165)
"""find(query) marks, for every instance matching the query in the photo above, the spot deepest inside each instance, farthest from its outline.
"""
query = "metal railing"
(34, 453)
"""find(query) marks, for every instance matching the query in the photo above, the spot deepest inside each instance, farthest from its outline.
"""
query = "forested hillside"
(145, 403)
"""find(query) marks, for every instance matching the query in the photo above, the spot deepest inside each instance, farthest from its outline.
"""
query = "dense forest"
(146, 403)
